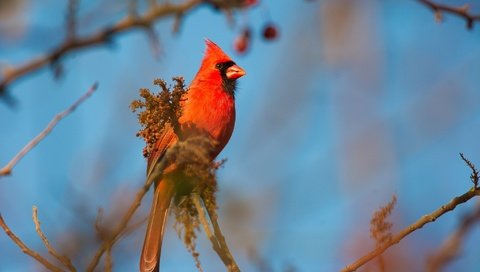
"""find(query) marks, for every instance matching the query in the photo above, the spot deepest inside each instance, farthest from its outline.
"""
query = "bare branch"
(216, 238)
(431, 217)
(154, 42)
(72, 19)
(231, 264)
(98, 222)
(132, 8)
(474, 177)
(101, 37)
(108, 260)
(26, 249)
(61, 258)
(134, 226)
(206, 227)
(203, 219)
(7, 169)
(463, 11)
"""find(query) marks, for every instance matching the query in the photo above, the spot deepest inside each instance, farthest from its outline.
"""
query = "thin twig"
(204, 222)
(431, 217)
(132, 8)
(72, 19)
(132, 227)
(7, 169)
(216, 238)
(101, 37)
(26, 249)
(98, 222)
(474, 177)
(221, 240)
(108, 260)
(462, 11)
(154, 42)
(61, 258)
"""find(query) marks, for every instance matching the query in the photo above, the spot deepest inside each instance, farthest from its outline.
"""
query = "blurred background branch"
(462, 11)
(428, 218)
(25, 249)
(7, 169)
(61, 258)
(131, 21)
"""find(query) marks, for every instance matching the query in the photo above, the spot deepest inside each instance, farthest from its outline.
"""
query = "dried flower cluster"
(186, 225)
(160, 111)
(198, 177)
(380, 226)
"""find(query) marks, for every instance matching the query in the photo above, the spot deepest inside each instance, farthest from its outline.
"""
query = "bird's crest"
(214, 52)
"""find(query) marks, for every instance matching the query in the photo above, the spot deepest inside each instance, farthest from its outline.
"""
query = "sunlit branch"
(216, 238)
(25, 249)
(62, 259)
(221, 240)
(429, 218)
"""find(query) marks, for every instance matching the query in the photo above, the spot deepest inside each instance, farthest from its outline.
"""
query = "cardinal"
(209, 106)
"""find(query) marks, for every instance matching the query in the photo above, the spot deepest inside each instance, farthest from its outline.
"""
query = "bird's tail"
(152, 246)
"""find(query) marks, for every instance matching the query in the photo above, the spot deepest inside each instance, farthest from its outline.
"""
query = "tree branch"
(221, 240)
(72, 43)
(62, 259)
(475, 176)
(431, 217)
(216, 238)
(26, 249)
(7, 169)
(463, 11)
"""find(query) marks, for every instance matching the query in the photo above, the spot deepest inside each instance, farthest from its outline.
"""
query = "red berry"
(250, 3)
(242, 42)
(270, 32)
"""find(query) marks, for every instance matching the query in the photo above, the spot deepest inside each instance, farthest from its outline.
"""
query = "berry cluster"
(269, 32)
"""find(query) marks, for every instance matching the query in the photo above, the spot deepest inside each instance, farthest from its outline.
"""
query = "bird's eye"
(222, 66)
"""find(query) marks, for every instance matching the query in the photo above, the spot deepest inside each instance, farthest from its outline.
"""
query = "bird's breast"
(213, 113)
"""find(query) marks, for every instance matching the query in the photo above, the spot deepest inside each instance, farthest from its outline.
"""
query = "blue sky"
(353, 103)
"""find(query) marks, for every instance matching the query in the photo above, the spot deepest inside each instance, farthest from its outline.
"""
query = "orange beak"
(234, 72)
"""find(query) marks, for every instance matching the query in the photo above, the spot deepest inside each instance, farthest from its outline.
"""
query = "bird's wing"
(166, 140)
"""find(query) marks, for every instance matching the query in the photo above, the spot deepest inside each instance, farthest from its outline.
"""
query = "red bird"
(209, 105)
